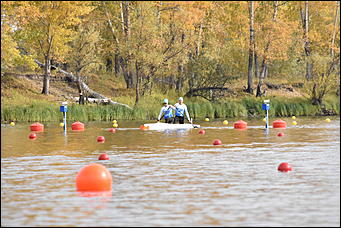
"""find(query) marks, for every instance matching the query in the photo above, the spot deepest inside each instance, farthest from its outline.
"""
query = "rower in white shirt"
(180, 110)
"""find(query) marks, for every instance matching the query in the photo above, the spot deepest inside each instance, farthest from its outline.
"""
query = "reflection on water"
(174, 177)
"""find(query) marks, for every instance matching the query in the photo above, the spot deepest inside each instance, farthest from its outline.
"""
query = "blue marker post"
(266, 107)
(63, 109)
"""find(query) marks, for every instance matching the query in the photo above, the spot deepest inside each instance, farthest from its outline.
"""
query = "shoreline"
(243, 108)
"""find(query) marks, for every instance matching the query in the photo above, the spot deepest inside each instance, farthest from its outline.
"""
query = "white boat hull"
(165, 126)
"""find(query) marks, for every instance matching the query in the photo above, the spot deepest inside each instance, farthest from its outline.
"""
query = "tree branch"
(85, 86)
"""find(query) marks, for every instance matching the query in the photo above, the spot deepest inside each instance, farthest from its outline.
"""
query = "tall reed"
(149, 109)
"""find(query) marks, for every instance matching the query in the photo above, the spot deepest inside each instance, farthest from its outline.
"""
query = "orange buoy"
(284, 167)
(240, 125)
(113, 130)
(202, 132)
(94, 177)
(217, 142)
(37, 127)
(279, 124)
(142, 127)
(77, 126)
(100, 139)
(32, 136)
(103, 157)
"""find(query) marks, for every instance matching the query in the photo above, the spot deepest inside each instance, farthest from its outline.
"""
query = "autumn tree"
(227, 42)
(85, 50)
(274, 37)
(11, 55)
(325, 41)
(45, 28)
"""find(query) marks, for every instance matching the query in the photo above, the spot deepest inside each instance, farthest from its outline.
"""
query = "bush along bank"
(252, 107)
(246, 107)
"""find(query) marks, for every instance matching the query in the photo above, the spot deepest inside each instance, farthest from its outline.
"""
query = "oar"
(194, 126)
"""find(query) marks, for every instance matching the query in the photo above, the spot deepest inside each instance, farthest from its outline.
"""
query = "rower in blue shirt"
(167, 111)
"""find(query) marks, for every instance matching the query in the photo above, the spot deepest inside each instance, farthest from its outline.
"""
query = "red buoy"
(217, 142)
(32, 136)
(280, 134)
(103, 157)
(279, 124)
(77, 126)
(100, 139)
(284, 167)
(37, 127)
(202, 132)
(94, 177)
(240, 124)
(113, 130)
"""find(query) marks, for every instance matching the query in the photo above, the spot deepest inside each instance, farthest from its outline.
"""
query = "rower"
(166, 112)
(180, 109)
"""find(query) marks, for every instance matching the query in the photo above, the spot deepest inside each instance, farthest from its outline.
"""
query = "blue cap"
(165, 101)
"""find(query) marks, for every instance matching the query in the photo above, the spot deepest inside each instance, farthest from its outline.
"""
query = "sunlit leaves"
(47, 26)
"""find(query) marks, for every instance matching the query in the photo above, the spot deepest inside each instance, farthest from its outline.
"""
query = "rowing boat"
(166, 126)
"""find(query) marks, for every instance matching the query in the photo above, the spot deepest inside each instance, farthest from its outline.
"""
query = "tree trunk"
(125, 20)
(46, 81)
(309, 69)
(334, 30)
(305, 23)
(80, 90)
(316, 100)
(128, 76)
(137, 83)
(108, 65)
(262, 75)
(179, 81)
(85, 86)
(251, 50)
(197, 49)
(191, 82)
(158, 14)
(263, 72)
(256, 65)
(117, 64)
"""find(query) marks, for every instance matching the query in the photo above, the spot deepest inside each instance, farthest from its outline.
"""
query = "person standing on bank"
(180, 110)
(166, 112)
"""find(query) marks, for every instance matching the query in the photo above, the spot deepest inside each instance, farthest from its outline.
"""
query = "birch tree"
(45, 28)
(251, 48)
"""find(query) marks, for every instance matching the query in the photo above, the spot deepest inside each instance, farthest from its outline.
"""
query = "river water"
(174, 178)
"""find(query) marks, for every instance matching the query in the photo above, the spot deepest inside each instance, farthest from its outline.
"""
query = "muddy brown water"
(174, 177)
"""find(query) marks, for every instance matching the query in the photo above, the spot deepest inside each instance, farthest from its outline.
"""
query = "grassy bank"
(148, 110)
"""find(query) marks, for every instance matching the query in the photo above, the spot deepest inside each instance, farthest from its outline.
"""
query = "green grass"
(149, 108)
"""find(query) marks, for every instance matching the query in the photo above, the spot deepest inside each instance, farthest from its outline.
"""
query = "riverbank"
(246, 107)
(21, 100)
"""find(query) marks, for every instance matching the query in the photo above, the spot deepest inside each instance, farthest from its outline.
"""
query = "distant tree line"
(188, 46)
